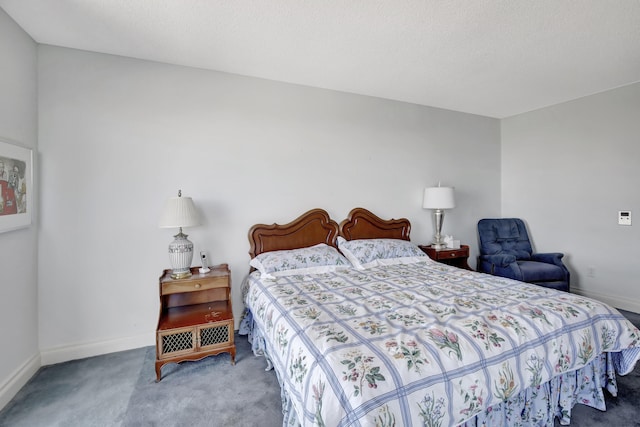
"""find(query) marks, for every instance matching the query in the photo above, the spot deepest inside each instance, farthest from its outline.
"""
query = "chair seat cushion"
(534, 271)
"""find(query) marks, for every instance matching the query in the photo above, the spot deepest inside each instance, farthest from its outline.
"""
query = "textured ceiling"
(495, 58)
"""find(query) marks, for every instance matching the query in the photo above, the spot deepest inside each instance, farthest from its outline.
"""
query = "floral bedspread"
(425, 343)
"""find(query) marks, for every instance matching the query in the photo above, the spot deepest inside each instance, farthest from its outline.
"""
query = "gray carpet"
(211, 392)
(119, 389)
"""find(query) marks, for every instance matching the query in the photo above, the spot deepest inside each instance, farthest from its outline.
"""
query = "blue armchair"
(505, 251)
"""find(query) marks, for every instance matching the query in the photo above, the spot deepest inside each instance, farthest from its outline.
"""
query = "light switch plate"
(624, 217)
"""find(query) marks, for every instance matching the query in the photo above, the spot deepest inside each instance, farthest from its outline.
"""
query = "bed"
(377, 334)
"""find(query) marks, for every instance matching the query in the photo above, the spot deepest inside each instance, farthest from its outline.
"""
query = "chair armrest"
(501, 260)
(549, 258)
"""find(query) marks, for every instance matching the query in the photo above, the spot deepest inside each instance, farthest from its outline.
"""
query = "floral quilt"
(425, 344)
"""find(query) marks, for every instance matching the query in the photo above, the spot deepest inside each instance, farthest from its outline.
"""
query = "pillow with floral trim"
(320, 258)
(365, 253)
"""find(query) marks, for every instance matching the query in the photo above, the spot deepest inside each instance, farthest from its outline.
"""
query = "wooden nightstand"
(455, 257)
(195, 319)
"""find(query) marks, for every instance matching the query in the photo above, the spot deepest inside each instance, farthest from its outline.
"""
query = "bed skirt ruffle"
(535, 406)
(538, 406)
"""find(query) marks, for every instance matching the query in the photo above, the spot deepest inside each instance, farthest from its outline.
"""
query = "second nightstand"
(455, 257)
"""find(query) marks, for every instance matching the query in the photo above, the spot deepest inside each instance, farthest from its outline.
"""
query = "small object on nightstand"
(196, 318)
(450, 243)
(205, 263)
(454, 257)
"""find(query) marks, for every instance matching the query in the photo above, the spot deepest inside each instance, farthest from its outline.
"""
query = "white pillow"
(320, 258)
(366, 253)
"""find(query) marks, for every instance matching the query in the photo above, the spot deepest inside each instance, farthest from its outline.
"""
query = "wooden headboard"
(308, 229)
(362, 224)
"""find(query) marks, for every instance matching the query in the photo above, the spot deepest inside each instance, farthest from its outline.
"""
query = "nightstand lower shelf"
(195, 332)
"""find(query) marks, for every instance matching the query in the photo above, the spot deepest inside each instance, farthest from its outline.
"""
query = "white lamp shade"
(179, 212)
(438, 198)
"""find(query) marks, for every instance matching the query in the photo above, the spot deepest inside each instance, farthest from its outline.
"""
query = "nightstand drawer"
(452, 253)
(195, 284)
(454, 257)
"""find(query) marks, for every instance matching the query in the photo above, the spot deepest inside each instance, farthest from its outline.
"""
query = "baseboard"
(18, 379)
(80, 351)
(624, 303)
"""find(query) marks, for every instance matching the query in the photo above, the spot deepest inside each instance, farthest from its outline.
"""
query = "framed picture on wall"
(16, 186)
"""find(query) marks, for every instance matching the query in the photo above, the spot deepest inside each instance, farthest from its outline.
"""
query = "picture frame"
(16, 186)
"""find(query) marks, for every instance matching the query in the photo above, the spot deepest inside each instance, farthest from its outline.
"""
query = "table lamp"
(180, 212)
(438, 198)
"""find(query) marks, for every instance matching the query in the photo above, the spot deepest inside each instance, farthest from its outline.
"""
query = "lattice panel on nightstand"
(177, 342)
(214, 335)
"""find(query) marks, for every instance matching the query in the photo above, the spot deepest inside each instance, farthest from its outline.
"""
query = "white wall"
(18, 279)
(119, 136)
(567, 170)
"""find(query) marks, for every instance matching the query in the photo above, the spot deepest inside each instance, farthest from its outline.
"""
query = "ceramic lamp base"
(180, 256)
